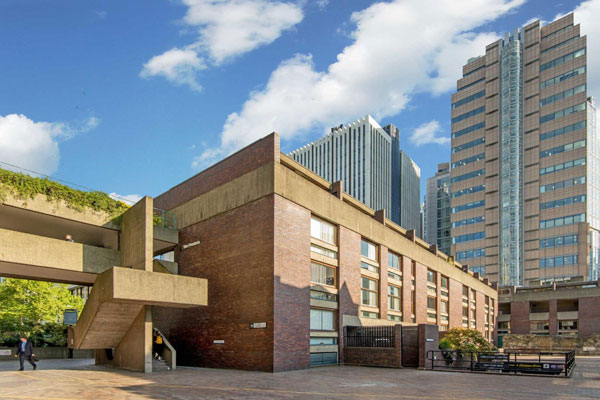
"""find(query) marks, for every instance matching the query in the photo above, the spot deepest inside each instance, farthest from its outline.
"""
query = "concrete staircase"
(160, 365)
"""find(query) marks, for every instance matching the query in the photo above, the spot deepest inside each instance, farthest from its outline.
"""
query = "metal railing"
(166, 219)
(515, 362)
(369, 336)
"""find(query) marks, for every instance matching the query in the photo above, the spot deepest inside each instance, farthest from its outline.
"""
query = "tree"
(464, 339)
(34, 309)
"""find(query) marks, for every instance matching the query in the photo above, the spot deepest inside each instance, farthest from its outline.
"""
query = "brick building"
(291, 259)
(567, 310)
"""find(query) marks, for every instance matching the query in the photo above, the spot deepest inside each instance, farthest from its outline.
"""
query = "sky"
(133, 97)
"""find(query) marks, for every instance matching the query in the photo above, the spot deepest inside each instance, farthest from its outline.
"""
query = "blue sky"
(134, 97)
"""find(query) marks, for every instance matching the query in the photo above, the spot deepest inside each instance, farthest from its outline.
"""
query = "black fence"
(369, 336)
(515, 362)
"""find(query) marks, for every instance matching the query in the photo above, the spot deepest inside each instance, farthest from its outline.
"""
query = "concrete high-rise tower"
(524, 190)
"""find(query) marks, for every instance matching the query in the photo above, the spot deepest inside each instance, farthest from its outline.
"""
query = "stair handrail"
(171, 360)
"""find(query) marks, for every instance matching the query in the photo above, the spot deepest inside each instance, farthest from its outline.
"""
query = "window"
(394, 298)
(323, 251)
(444, 307)
(562, 95)
(393, 261)
(323, 358)
(322, 230)
(470, 129)
(539, 327)
(561, 221)
(322, 320)
(394, 276)
(431, 277)
(563, 77)
(563, 59)
(475, 253)
(469, 237)
(369, 292)
(368, 250)
(369, 314)
(562, 113)
(322, 274)
(467, 191)
(468, 221)
(562, 202)
(468, 206)
(560, 261)
(444, 282)
(468, 160)
(469, 175)
(468, 114)
(369, 267)
(558, 241)
(563, 184)
(323, 341)
(468, 145)
(561, 131)
(413, 302)
(471, 84)
(317, 295)
(567, 325)
(468, 99)
(465, 291)
(431, 303)
(392, 317)
(564, 148)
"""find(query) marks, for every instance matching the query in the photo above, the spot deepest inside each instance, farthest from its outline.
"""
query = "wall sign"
(4, 352)
(258, 325)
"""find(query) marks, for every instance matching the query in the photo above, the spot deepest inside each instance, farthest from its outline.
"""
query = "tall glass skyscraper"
(368, 160)
(437, 209)
(524, 165)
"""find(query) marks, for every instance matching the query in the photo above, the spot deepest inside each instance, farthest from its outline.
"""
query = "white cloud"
(176, 65)
(225, 29)
(130, 199)
(394, 55)
(101, 14)
(322, 4)
(35, 145)
(427, 134)
(588, 14)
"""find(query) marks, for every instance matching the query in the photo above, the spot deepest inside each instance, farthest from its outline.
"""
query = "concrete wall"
(49, 353)
(135, 349)
(137, 235)
(584, 346)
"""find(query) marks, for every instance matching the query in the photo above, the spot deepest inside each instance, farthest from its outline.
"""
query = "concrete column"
(135, 350)
(428, 340)
(455, 306)
(137, 230)
(519, 317)
(349, 282)
(553, 317)
(480, 311)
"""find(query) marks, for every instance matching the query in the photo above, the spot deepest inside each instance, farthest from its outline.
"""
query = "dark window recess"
(323, 358)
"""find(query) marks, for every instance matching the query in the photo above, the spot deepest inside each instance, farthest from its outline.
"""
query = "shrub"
(464, 339)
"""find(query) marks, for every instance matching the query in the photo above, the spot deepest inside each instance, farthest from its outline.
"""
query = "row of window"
(563, 202)
(475, 70)
(468, 99)
(469, 237)
(563, 184)
(562, 95)
(468, 221)
(475, 253)
(466, 191)
(468, 145)
(468, 175)
(562, 77)
(469, 129)
(468, 206)
(468, 160)
(559, 45)
(558, 32)
(563, 130)
(558, 241)
(562, 113)
(479, 269)
(561, 149)
(559, 261)
(562, 60)
(469, 114)
(560, 167)
(561, 221)
(471, 84)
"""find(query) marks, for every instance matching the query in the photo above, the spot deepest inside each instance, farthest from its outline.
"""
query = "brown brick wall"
(480, 311)
(552, 317)
(455, 306)
(421, 294)
(257, 154)
(292, 290)
(236, 255)
(589, 317)
(349, 277)
(406, 289)
(383, 282)
(376, 356)
(519, 317)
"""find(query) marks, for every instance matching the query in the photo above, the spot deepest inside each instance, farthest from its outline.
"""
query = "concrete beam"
(137, 234)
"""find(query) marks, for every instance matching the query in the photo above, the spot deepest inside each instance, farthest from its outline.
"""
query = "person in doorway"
(158, 346)
(25, 352)
(68, 238)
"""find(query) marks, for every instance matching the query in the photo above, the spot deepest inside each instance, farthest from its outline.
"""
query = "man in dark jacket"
(25, 351)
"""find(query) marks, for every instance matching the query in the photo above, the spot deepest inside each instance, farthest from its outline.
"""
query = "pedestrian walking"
(25, 352)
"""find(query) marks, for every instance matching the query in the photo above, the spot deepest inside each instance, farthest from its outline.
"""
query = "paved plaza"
(79, 379)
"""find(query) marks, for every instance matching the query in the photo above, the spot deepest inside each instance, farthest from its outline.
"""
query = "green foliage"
(35, 309)
(445, 344)
(27, 187)
(464, 339)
